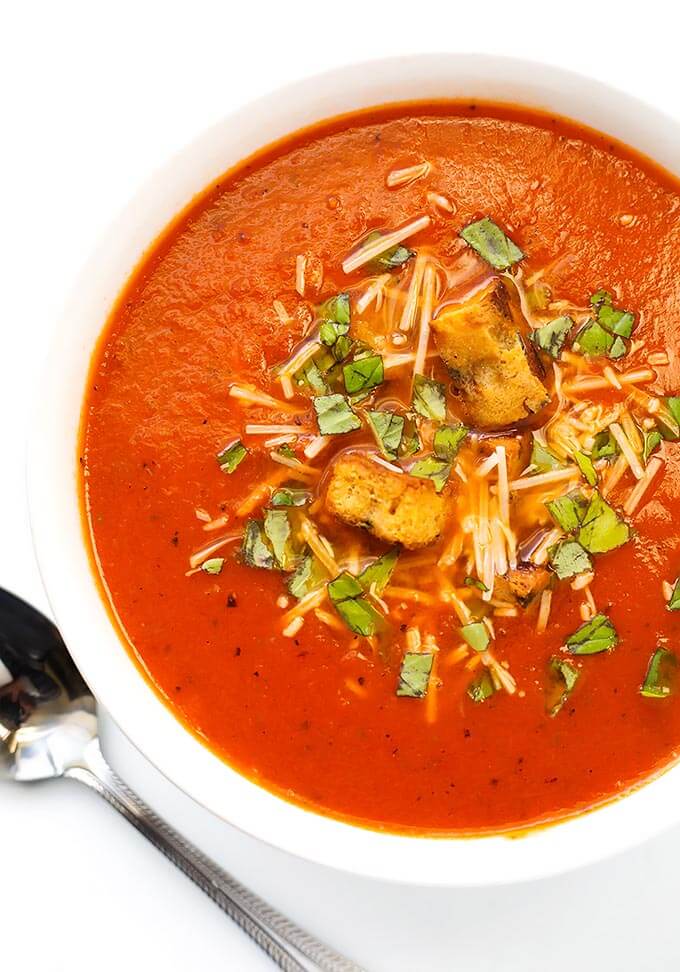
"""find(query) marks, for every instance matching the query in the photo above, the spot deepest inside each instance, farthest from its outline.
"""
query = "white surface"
(55, 513)
(95, 102)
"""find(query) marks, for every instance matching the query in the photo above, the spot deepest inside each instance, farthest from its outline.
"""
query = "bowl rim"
(63, 558)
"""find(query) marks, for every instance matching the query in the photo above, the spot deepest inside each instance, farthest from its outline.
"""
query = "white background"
(94, 96)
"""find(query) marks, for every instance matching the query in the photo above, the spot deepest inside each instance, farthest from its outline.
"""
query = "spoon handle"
(290, 947)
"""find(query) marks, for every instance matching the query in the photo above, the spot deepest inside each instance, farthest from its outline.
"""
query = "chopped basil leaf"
(254, 549)
(652, 441)
(358, 614)
(438, 470)
(448, 440)
(377, 575)
(593, 637)
(410, 440)
(567, 511)
(330, 331)
(674, 603)
(602, 529)
(481, 688)
(542, 459)
(213, 566)
(661, 675)
(605, 446)
(585, 464)
(344, 586)
(285, 450)
(231, 456)
(568, 558)
(337, 310)
(551, 337)
(669, 423)
(476, 634)
(309, 575)
(617, 321)
(392, 258)
(429, 399)
(474, 582)
(310, 374)
(492, 244)
(601, 297)
(335, 416)
(618, 348)
(363, 373)
(277, 531)
(342, 347)
(593, 340)
(289, 496)
(387, 428)
(563, 677)
(414, 677)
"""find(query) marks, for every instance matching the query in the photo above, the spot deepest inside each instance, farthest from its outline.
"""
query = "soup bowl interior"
(62, 552)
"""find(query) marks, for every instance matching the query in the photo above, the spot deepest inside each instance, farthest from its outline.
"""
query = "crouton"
(394, 507)
(517, 451)
(485, 345)
(522, 583)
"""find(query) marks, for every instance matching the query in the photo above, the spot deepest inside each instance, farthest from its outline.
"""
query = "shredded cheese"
(627, 450)
(637, 493)
(254, 397)
(544, 611)
(196, 559)
(402, 177)
(441, 202)
(295, 464)
(300, 267)
(369, 251)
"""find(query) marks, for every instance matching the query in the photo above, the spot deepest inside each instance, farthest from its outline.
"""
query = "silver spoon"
(48, 730)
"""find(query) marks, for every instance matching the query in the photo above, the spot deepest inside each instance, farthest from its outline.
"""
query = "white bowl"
(61, 549)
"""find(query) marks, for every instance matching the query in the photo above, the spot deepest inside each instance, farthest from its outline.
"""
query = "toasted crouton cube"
(484, 343)
(393, 506)
(517, 451)
(522, 583)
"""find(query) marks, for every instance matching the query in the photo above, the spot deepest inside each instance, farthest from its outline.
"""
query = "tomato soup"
(380, 468)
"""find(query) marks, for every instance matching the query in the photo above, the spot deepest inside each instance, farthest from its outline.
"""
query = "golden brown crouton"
(517, 450)
(522, 583)
(393, 506)
(484, 343)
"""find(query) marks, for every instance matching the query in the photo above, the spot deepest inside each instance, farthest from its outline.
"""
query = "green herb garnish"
(475, 582)
(669, 418)
(310, 374)
(330, 331)
(377, 575)
(289, 496)
(255, 549)
(674, 602)
(593, 340)
(334, 415)
(447, 441)
(414, 677)
(308, 576)
(602, 529)
(492, 244)
(568, 558)
(231, 456)
(213, 566)
(605, 446)
(651, 442)
(476, 634)
(346, 595)
(392, 258)
(438, 470)
(410, 440)
(563, 676)
(661, 675)
(287, 451)
(481, 688)
(363, 374)
(551, 337)
(542, 459)
(429, 399)
(593, 637)
(337, 310)
(387, 429)
(585, 464)
(277, 531)
(617, 321)
(568, 511)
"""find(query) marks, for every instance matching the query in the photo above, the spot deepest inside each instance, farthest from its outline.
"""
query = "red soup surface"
(391, 340)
